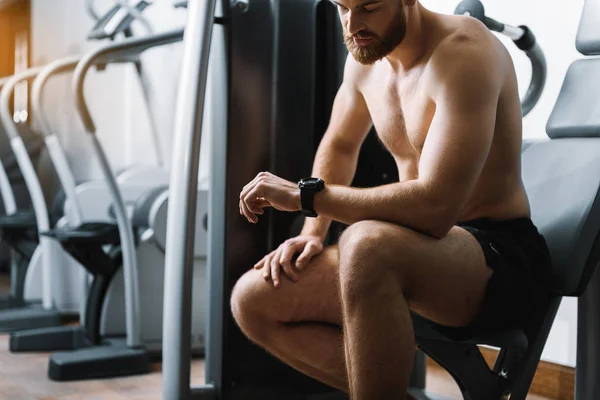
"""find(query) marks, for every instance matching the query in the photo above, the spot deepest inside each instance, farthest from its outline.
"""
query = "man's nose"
(354, 23)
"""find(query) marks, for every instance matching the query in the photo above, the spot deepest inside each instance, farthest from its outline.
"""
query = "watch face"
(311, 183)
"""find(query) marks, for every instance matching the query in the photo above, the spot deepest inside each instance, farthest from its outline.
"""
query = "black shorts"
(519, 257)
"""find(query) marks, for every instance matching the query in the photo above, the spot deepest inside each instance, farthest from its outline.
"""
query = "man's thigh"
(445, 280)
(314, 297)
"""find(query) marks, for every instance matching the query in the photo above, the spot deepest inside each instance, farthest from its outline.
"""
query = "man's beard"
(380, 47)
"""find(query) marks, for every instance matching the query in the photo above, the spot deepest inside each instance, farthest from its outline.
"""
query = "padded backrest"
(577, 109)
(562, 175)
(562, 179)
(588, 37)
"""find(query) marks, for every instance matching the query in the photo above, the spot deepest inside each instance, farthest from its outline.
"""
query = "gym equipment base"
(8, 301)
(110, 359)
(29, 317)
(49, 339)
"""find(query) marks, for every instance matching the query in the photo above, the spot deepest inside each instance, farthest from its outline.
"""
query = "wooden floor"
(23, 377)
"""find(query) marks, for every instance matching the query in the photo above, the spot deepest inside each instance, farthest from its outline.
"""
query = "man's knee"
(246, 302)
(367, 261)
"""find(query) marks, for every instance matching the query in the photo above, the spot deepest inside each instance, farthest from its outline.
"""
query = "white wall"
(59, 28)
(555, 26)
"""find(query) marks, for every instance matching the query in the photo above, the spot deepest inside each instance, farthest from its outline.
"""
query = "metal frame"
(181, 219)
(6, 191)
(475, 9)
(57, 154)
(31, 181)
(126, 50)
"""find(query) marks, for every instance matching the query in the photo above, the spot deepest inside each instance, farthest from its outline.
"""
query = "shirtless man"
(449, 241)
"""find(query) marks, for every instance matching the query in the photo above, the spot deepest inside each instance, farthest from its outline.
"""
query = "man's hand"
(307, 246)
(268, 190)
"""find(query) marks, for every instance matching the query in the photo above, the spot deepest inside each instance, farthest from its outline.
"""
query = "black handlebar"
(524, 39)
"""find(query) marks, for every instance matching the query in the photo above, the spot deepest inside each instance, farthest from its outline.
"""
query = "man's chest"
(401, 114)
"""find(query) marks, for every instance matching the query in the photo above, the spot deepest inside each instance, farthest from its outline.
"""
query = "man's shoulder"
(468, 49)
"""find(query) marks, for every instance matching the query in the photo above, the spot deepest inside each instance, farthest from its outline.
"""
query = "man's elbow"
(439, 230)
(440, 221)
(433, 226)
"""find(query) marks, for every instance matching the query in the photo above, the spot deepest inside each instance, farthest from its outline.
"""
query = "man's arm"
(337, 156)
(468, 80)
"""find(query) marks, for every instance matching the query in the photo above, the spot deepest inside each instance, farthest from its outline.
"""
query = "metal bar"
(114, 53)
(148, 104)
(31, 181)
(130, 269)
(216, 209)
(512, 32)
(55, 149)
(6, 191)
(539, 71)
(57, 153)
(108, 54)
(182, 203)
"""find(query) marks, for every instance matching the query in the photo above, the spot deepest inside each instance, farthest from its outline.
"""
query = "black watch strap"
(307, 198)
(308, 188)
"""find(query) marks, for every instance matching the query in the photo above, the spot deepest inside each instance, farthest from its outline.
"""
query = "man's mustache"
(362, 35)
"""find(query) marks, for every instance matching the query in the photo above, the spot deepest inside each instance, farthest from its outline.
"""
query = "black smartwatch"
(308, 188)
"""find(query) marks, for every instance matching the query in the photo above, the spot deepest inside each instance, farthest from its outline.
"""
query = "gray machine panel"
(588, 37)
(562, 177)
(577, 109)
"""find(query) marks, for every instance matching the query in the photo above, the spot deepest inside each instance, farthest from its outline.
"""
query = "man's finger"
(267, 267)
(275, 270)
(289, 271)
(288, 250)
(248, 214)
(287, 253)
(260, 264)
(257, 192)
(306, 255)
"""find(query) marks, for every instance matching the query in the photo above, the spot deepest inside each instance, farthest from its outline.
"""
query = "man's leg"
(299, 323)
(385, 270)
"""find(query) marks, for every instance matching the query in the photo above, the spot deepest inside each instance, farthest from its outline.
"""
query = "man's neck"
(406, 55)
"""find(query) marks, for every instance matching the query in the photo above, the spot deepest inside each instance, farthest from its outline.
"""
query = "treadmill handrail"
(31, 181)
(55, 149)
(8, 196)
(112, 53)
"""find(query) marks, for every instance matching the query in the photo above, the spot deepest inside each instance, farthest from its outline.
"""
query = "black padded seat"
(19, 220)
(514, 339)
(86, 244)
(97, 233)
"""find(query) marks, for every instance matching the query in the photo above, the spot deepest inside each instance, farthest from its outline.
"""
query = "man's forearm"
(334, 166)
(406, 203)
